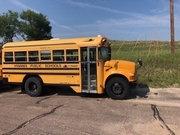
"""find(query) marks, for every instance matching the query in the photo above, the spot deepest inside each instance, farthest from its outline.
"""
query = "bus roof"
(80, 41)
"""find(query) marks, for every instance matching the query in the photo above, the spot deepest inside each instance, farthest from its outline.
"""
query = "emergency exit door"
(88, 70)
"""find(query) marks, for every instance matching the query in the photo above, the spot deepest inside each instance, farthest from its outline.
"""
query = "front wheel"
(33, 86)
(117, 88)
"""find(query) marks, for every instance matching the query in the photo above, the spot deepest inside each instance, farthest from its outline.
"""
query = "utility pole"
(172, 24)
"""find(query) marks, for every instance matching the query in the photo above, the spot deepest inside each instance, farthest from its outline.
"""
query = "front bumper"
(133, 85)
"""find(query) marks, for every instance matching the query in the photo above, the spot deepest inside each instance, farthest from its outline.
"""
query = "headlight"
(140, 62)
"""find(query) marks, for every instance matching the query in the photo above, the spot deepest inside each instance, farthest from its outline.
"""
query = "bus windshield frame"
(104, 53)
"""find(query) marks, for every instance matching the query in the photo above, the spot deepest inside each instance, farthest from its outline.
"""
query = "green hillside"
(160, 67)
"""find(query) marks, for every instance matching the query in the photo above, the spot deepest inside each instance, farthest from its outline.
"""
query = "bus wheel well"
(115, 75)
(30, 75)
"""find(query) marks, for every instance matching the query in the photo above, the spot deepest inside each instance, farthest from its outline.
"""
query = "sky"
(115, 19)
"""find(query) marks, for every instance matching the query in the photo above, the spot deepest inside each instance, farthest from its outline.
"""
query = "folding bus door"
(88, 70)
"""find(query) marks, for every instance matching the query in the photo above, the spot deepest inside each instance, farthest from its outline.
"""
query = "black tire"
(33, 86)
(117, 88)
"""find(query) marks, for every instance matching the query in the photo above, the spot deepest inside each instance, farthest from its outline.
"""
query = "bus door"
(88, 70)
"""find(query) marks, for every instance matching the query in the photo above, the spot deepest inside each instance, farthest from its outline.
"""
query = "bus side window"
(72, 55)
(21, 56)
(46, 55)
(33, 56)
(58, 55)
(8, 56)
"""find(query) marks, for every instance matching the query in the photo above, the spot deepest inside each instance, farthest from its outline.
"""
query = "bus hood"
(120, 65)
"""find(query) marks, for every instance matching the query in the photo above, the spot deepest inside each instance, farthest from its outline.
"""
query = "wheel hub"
(117, 89)
(32, 87)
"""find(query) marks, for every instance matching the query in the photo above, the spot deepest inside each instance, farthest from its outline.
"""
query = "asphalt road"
(63, 112)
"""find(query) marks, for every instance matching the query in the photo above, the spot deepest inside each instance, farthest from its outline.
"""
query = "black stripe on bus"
(55, 44)
(62, 84)
(40, 68)
(58, 62)
(41, 73)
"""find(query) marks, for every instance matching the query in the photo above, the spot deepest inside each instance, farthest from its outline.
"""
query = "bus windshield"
(104, 53)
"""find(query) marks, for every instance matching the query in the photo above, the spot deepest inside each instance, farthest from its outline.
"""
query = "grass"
(161, 68)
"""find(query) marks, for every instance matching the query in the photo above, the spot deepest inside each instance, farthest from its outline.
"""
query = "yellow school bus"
(84, 64)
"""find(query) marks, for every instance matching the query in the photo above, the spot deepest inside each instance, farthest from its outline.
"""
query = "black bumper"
(133, 85)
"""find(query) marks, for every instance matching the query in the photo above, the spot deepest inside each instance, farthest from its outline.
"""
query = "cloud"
(134, 23)
(62, 26)
(160, 10)
(23, 6)
(177, 7)
(87, 5)
(166, 7)
(159, 18)
(130, 28)
(146, 21)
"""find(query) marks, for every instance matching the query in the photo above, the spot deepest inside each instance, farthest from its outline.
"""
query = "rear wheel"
(33, 86)
(117, 88)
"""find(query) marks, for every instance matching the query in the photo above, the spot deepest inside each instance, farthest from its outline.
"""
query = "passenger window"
(21, 56)
(72, 55)
(46, 55)
(33, 56)
(8, 56)
(58, 55)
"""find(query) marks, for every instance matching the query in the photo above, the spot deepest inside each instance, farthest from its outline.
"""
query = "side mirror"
(140, 62)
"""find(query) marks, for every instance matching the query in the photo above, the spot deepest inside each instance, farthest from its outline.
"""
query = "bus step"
(91, 81)
(92, 87)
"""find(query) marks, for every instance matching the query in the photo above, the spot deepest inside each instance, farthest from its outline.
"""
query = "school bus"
(84, 64)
